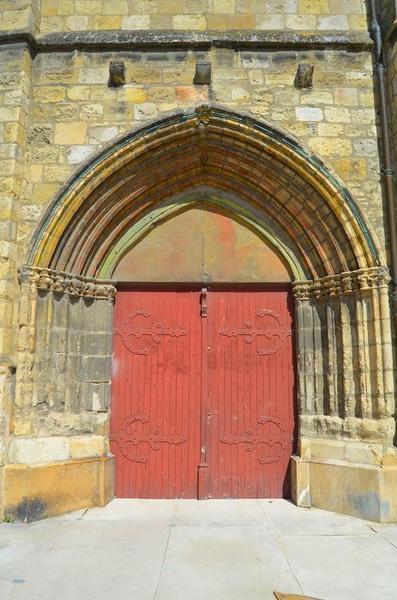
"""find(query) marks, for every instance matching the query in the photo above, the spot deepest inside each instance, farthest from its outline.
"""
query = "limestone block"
(98, 135)
(342, 7)
(313, 97)
(76, 23)
(94, 75)
(135, 22)
(91, 112)
(239, 94)
(56, 173)
(270, 22)
(300, 482)
(330, 130)
(39, 450)
(331, 449)
(78, 154)
(95, 369)
(9, 113)
(40, 135)
(300, 22)
(65, 7)
(363, 453)
(309, 113)
(95, 396)
(16, 19)
(87, 446)
(338, 22)
(335, 114)
(145, 111)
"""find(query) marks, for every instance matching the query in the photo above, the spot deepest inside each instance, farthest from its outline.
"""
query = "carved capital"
(65, 283)
(342, 284)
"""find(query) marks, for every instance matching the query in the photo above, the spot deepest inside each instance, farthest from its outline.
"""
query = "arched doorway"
(203, 390)
(279, 192)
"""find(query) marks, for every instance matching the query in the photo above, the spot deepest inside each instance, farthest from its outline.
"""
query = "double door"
(202, 393)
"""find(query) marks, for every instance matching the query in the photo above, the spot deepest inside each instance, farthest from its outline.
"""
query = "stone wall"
(74, 114)
(57, 112)
(198, 15)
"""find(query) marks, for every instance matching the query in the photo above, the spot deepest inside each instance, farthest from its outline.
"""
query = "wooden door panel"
(250, 409)
(156, 393)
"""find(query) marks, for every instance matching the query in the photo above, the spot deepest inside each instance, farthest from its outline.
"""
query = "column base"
(361, 490)
(39, 491)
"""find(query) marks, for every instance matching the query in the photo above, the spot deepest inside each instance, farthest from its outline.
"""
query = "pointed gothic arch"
(266, 179)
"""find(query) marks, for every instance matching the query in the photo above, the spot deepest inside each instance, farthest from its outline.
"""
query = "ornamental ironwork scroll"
(276, 333)
(129, 439)
(130, 330)
(253, 441)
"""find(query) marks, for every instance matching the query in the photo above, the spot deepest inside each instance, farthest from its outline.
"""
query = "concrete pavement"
(179, 549)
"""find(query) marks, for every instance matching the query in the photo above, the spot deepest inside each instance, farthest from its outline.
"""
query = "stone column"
(60, 417)
(346, 402)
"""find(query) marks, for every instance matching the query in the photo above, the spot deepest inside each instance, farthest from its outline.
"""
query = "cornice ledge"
(168, 40)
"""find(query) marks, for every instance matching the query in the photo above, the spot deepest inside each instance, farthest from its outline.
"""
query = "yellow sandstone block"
(331, 146)
(108, 22)
(115, 7)
(89, 7)
(70, 133)
(189, 22)
(133, 94)
(78, 92)
(86, 446)
(49, 94)
(313, 7)
(49, 8)
(224, 6)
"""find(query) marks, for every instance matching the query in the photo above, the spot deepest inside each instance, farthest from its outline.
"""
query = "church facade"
(198, 255)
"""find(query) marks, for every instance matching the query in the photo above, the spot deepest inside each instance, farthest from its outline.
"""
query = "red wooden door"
(250, 381)
(202, 396)
(156, 393)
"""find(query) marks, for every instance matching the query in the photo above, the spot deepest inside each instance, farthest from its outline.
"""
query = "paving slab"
(288, 519)
(87, 560)
(224, 562)
(343, 568)
(220, 513)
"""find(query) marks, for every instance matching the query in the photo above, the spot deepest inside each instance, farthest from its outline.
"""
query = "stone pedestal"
(34, 492)
(365, 487)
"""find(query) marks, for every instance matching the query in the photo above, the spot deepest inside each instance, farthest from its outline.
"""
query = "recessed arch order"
(247, 167)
